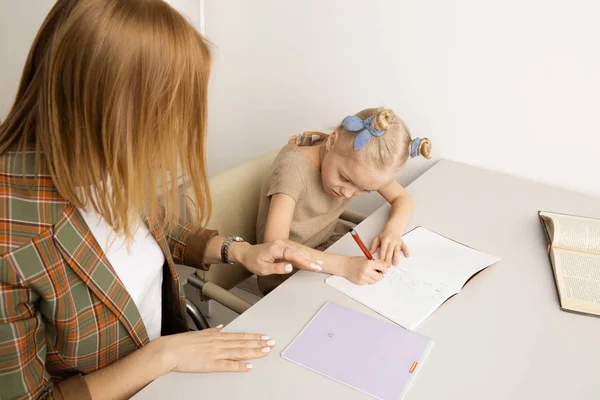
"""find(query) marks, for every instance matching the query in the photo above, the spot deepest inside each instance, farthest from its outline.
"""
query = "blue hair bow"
(414, 147)
(354, 123)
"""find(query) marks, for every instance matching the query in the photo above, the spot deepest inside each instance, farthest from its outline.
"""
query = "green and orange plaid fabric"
(63, 310)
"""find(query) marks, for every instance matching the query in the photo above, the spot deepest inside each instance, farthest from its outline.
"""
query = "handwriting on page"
(422, 280)
(425, 281)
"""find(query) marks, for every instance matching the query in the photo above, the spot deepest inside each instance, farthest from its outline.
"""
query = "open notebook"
(374, 356)
(437, 269)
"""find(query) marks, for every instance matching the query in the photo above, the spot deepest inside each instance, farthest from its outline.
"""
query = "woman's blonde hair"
(393, 148)
(113, 98)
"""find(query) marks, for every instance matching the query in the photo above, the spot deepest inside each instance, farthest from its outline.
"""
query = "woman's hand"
(362, 271)
(211, 350)
(277, 257)
(390, 245)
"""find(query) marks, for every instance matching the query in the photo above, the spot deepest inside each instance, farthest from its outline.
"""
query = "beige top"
(294, 174)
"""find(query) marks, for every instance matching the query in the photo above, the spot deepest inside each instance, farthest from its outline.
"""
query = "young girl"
(316, 175)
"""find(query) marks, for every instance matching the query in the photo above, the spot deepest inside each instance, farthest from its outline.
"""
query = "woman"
(111, 101)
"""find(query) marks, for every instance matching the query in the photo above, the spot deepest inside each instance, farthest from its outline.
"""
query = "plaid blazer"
(63, 310)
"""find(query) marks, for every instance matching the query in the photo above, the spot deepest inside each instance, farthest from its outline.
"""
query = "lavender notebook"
(374, 356)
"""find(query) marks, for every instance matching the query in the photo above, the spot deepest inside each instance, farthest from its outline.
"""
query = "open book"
(575, 257)
(437, 269)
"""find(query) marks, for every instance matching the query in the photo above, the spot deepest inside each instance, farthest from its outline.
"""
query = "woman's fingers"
(232, 366)
(239, 354)
(292, 255)
(249, 344)
(234, 336)
(207, 332)
(211, 350)
(282, 268)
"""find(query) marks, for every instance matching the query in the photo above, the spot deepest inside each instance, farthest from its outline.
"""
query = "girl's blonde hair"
(390, 149)
(113, 98)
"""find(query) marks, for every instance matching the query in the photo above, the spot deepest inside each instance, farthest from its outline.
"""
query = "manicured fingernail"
(265, 349)
(316, 267)
(219, 326)
(320, 262)
(249, 366)
(265, 337)
(288, 268)
(271, 342)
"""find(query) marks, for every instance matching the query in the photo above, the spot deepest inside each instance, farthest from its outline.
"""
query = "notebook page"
(408, 293)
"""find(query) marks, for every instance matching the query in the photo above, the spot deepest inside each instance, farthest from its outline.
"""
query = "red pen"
(362, 246)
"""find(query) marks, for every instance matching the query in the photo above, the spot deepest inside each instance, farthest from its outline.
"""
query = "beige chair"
(235, 198)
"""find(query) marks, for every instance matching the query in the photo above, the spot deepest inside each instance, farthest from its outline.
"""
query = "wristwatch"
(225, 248)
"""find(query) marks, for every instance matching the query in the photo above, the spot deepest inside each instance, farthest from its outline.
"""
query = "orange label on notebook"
(413, 367)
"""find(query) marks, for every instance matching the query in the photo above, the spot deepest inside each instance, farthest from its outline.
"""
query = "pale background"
(512, 86)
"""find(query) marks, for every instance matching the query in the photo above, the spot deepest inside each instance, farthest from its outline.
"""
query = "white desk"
(503, 337)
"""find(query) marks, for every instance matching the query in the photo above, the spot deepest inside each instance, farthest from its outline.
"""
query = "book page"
(408, 293)
(578, 280)
(549, 226)
(575, 233)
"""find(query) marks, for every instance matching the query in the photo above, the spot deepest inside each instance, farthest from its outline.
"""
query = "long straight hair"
(113, 97)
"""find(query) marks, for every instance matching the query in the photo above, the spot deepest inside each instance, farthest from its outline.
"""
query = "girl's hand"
(211, 350)
(277, 257)
(362, 271)
(390, 245)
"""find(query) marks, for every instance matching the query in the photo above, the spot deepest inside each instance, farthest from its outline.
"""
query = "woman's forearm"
(331, 263)
(212, 254)
(124, 378)
(213, 251)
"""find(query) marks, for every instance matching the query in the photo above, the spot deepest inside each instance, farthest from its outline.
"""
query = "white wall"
(19, 23)
(513, 86)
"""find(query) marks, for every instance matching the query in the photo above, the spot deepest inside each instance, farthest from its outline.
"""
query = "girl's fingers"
(397, 251)
(375, 245)
(376, 266)
(383, 248)
(373, 275)
(405, 250)
(390, 252)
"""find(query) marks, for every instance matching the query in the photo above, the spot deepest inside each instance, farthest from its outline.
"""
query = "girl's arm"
(279, 219)
(357, 269)
(389, 241)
